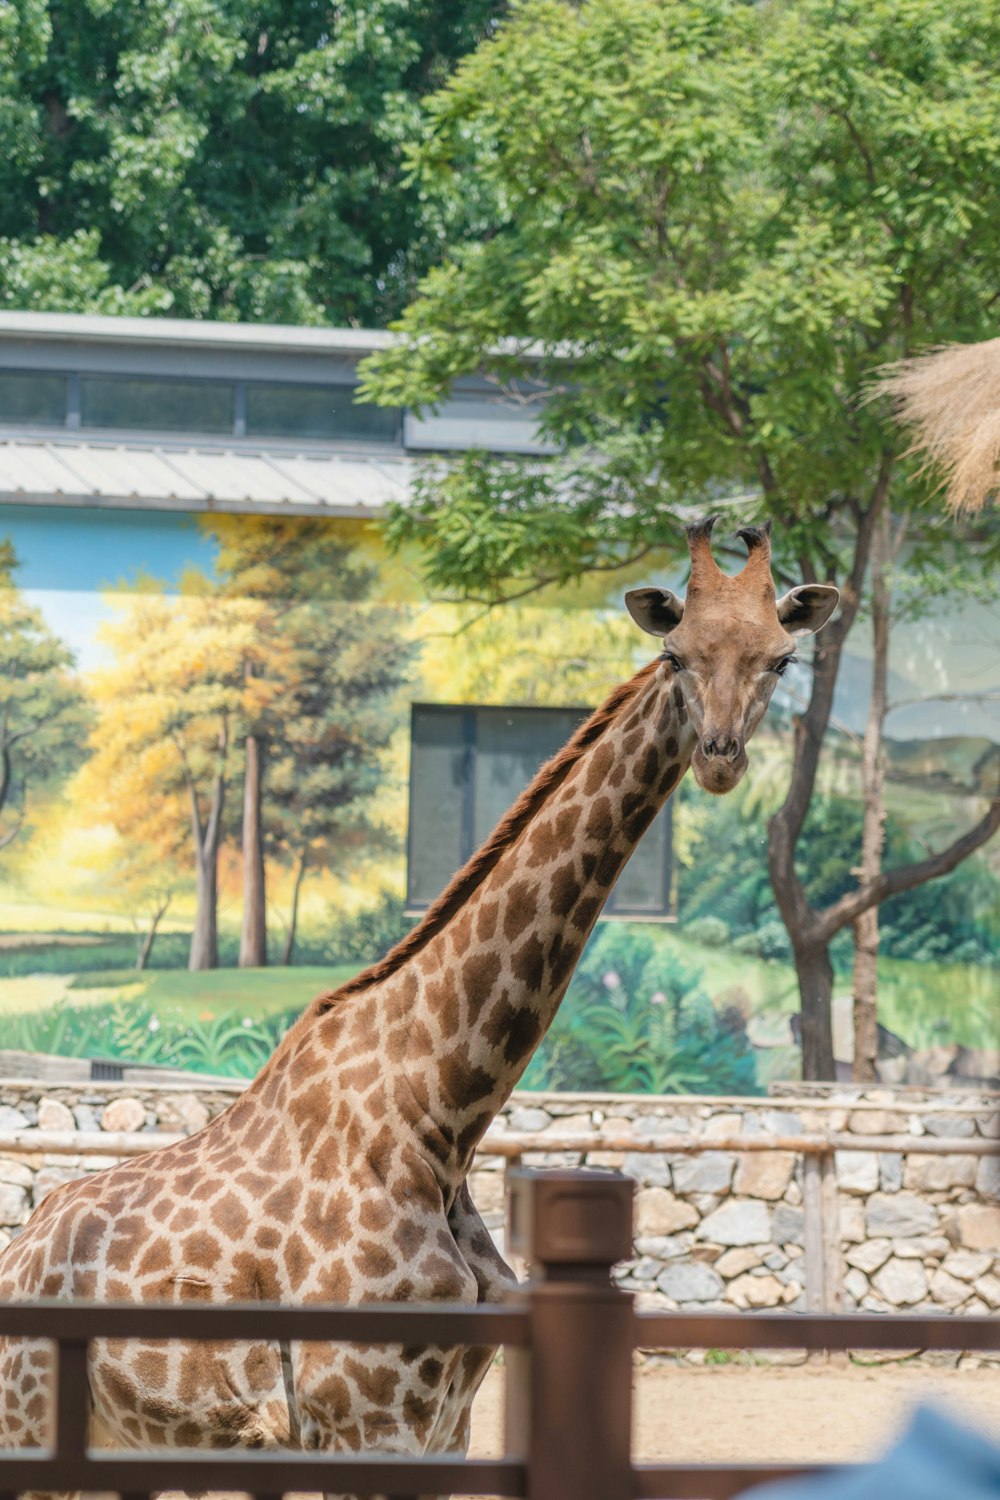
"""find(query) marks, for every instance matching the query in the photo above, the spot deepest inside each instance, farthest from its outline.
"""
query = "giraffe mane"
(461, 886)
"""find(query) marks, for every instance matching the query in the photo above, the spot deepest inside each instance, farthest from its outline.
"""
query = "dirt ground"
(810, 1412)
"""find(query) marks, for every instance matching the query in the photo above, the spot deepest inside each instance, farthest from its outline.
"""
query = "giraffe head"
(728, 643)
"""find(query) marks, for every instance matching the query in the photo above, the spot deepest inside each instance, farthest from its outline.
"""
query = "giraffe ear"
(806, 609)
(656, 611)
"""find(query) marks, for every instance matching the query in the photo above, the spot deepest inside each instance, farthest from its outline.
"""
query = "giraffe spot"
(408, 1237)
(668, 780)
(617, 776)
(499, 1020)
(90, 1232)
(599, 821)
(486, 920)
(597, 768)
(230, 1217)
(299, 1260)
(283, 1201)
(588, 864)
(670, 746)
(200, 1249)
(418, 1413)
(586, 912)
(327, 1218)
(161, 1210)
(523, 1035)
(650, 765)
(564, 890)
(254, 1279)
(350, 1437)
(631, 742)
(636, 825)
(479, 976)
(260, 1367)
(566, 821)
(157, 1256)
(520, 910)
(377, 1384)
(430, 1370)
(120, 1389)
(373, 1259)
(378, 1425)
(53, 1284)
(267, 1237)
(460, 932)
(473, 1133)
(540, 842)
(462, 1082)
(361, 1077)
(375, 1104)
(528, 963)
(421, 1041)
(333, 1282)
(207, 1189)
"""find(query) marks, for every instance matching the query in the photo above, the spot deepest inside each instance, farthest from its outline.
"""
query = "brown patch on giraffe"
(528, 963)
(463, 1083)
(408, 1237)
(230, 1217)
(460, 933)
(566, 820)
(327, 1217)
(597, 770)
(617, 776)
(473, 1133)
(157, 1256)
(670, 747)
(260, 1366)
(201, 1249)
(90, 1231)
(430, 1370)
(650, 766)
(377, 1385)
(333, 1282)
(600, 825)
(267, 1237)
(564, 890)
(520, 909)
(668, 780)
(479, 976)
(282, 1203)
(360, 1078)
(587, 910)
(375, 1215)
(486, 920)
(299, 1260)
(419, 1414)
(631, 743)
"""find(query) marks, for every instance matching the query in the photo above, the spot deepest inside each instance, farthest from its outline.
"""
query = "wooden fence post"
(821, 1233)
(569, 1395)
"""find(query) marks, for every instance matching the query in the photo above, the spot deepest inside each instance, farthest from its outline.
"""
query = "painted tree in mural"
(321, 674)
(729, 216)
(221, 158)
(163, 746)
(43, 717)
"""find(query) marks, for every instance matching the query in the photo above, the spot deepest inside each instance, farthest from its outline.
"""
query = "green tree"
(322, 671)
(712, 224)
(43, 713)
(221, 158)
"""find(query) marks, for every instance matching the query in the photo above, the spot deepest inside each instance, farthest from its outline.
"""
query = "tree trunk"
(866, 925)
(293, 920)
(146, 945)
(204, 952)
(253, 937)
(815, 974)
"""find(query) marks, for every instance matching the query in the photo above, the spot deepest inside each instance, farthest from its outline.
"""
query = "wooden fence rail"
(570, 1338)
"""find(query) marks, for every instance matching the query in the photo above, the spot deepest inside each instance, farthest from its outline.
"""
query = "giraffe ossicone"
(340, 1174)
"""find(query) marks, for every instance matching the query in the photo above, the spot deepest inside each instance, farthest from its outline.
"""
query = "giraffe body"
(340, 1174)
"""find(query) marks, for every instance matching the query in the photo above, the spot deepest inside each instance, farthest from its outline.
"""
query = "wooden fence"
(569, 1336)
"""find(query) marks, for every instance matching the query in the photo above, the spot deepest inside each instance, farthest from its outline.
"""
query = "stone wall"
(718, 1228)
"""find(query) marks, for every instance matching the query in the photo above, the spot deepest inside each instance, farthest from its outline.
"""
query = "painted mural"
(207, 807)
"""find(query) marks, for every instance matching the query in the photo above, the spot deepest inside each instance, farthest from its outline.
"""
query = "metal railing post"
(569, 1396)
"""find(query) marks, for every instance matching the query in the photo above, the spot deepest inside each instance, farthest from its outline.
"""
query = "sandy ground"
(809, 1412)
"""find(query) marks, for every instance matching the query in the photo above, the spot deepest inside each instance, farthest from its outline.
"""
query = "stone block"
(85, 1118)
(52, 1115)
(663, 1246)
(735, 1262)
(711, 1172)
(921, 1247)
(13, 1203)
(856, 1284)
(13, 1119)
(857, 1171)
(125, 1114)
(899, 1216)
(988, 1177)
(525, 1120)
(487, 1192)
(612, 1161)
(979, 1227)
(739, 1222)
(756, 1291)
(901, 1282)
(16, 1173)
(967, 1265)
(659, 1212)
(650, 1171)
(852, 1223)
(988, 1287)
(869, 1255)
(948, 1290)
(890, 1171)
(936, 1174)
(764, 1174)
(183, 1113)
(956, 1127)
(787, 1225)
(723, 1125)
(690, 1282)
(876, 1122)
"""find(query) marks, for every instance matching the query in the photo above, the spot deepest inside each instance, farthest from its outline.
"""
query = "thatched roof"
(950, 400)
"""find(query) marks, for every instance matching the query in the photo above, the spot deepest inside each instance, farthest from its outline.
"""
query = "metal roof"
(193, 478)
(100, 328)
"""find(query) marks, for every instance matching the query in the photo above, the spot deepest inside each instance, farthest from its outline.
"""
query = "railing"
(570, 1337)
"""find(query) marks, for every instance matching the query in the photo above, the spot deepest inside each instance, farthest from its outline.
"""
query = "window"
(29, 400)
(157, 405)
(317, 411)
(468, 765)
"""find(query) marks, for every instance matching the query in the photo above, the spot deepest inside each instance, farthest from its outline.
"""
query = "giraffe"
(340, 1174)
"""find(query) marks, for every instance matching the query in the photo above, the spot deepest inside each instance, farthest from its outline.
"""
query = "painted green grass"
(216, 992)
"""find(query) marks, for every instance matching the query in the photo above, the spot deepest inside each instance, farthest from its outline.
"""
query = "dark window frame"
(73, 409)
(613, 911)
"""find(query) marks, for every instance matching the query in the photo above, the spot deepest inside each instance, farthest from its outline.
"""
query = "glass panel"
(436, 800)
(157, 405)
(32, 400)
(510, 747)
(317, 411)
(643, 885)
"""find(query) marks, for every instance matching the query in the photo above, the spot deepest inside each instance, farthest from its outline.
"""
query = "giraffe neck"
(477, 998)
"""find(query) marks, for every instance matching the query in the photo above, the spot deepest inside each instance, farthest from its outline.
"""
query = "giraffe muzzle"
(719, 763)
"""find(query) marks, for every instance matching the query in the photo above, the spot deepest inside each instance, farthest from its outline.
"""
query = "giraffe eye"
(780, 668)
(674, 662)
